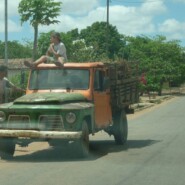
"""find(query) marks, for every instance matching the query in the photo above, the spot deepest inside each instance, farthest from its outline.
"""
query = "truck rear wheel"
(82, 145)
(7, 148)
(120, 131)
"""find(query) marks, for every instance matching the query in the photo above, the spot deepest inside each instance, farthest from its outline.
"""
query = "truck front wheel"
(82, 145)
(7, 148)
(120, 128)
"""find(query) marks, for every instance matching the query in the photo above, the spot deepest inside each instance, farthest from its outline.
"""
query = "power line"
(135, 2)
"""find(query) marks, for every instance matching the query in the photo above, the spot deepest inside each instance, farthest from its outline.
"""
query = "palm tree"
(39, 12)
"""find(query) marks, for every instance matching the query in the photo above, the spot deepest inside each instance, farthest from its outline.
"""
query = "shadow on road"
(98, 149)
(141, 143)
(101, 148)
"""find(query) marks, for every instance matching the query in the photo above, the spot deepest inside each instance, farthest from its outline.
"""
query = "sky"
(131, 17)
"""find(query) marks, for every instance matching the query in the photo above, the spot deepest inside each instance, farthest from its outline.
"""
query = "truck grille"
(18, 122)
(51, 122)
(45, 122)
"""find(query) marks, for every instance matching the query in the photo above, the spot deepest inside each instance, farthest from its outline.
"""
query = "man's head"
(55, 36)
(3, 71)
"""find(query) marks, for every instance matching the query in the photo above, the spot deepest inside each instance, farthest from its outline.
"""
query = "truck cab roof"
(74, 65)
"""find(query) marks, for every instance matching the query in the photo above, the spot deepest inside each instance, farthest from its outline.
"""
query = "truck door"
(103, 114)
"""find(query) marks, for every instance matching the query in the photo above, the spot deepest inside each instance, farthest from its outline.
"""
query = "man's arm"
(11, 85)
(55, 53)
(49, 52)
(8, 83)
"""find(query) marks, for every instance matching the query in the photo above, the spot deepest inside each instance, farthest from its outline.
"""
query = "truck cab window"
(98, 81)
(77, 79)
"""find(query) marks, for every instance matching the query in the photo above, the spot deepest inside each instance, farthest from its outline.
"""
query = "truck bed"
(124, 83)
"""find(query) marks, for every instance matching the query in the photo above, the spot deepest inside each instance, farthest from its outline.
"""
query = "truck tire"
(120, 129)
(7, 148)
(82, 145)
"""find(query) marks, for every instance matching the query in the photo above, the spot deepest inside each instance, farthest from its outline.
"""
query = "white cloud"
(12, 7)
(82, 13)
(128, 20)
(79, 7)
(12, 12)
(173, 28)
(68, 22)
(170, 25)
(152, 7)
(12, 27)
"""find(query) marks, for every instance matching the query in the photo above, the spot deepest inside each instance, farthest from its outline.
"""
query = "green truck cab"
(65, 105)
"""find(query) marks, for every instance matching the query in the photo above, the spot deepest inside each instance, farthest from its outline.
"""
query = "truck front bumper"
(41, 134)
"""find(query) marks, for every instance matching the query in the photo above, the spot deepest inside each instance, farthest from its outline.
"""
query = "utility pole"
(107, 13)
(6, 44)
(6, 32)
(107, 34)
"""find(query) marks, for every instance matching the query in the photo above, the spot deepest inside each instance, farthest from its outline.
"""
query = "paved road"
(154, 155)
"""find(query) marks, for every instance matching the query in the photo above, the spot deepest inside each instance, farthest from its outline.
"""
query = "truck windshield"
(59, 79)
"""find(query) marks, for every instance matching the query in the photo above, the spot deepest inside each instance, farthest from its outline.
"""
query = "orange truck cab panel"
(95, 92)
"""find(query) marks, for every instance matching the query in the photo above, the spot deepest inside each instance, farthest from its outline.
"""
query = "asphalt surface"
(154, 154)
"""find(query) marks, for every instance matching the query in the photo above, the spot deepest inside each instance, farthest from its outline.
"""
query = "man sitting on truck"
(56, 53)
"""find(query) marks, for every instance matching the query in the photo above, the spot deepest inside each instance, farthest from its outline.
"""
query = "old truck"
(66, 105)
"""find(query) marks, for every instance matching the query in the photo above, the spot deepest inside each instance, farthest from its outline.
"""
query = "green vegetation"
(16, 50)
(20, 79)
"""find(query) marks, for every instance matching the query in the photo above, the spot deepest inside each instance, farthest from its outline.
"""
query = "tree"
(96, 36)
(162, 60)
(43, 43)
(16, 50)
(39, 12)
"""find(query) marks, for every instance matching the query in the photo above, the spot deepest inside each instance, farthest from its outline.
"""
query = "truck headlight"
(70, 117)
(2, 116)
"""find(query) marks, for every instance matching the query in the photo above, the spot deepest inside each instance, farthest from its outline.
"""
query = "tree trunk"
(35, 43)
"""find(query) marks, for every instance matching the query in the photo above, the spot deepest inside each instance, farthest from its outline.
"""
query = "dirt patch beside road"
(154, 100)
(147, 104)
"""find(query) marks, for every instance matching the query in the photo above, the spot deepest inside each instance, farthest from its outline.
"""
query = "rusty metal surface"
(50, 98)
(40, 134)
(73, 65)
